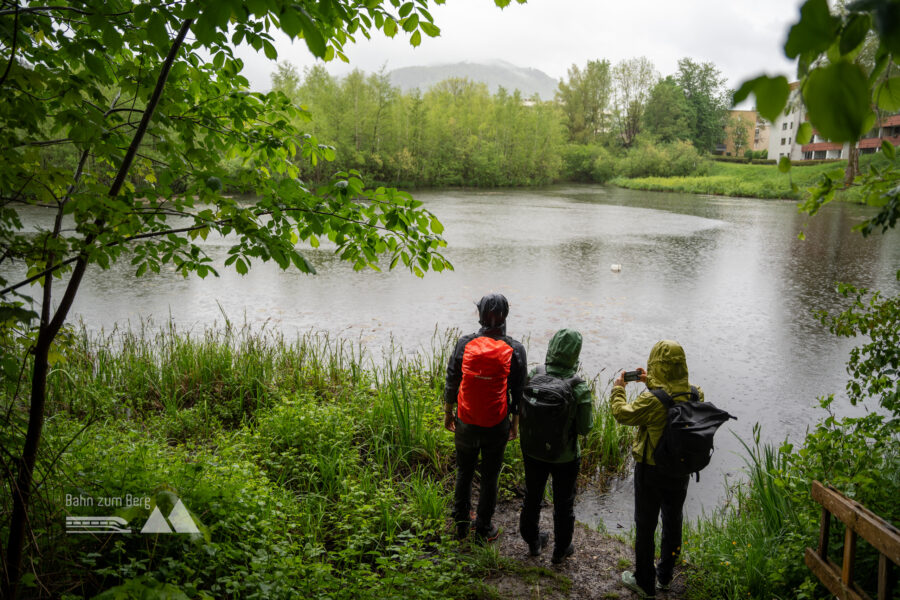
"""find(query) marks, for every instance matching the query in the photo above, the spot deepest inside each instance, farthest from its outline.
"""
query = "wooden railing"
(860, 522)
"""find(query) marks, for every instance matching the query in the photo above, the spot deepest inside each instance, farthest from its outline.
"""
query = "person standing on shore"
(556, 409)
(656, 490)
(485, 377)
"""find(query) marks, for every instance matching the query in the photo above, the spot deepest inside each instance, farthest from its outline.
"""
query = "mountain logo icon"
(179, 521)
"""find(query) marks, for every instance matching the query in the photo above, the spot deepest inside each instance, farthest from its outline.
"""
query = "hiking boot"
(487, 535)
(559, 556)
(630, 582)
(534, 548)
(462, 530)
(663, 580)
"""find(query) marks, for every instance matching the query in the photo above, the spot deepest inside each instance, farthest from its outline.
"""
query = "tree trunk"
(852, 165)
(46, 334)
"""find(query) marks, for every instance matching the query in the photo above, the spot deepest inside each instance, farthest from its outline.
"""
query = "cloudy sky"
(742, 37)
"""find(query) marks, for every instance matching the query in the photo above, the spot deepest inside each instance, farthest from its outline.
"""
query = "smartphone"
(632, 375)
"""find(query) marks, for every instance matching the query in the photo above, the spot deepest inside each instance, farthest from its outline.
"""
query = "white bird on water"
(615, 268)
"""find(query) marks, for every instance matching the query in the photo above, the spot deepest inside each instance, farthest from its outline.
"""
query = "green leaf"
(887, 94)
(887, 24)
(804, 133)
(312, 34)
(415, 39)
(290, 22)
(771, 95)
(814, 32)
(411, 24)
(240, 266)
(855, 32)
(390, 27)
(406, 9)
(271, 52)
(156, 31)
(430, 29)
(784, 164)
(837, 99)
(888, 149)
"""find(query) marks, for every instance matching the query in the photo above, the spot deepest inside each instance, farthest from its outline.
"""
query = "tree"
(708, 100)
(740, 137)
(666, 114)
(634, 79)
(141, 104)
(585, 99)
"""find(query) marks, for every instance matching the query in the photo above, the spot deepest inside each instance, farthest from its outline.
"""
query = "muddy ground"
(594, 571)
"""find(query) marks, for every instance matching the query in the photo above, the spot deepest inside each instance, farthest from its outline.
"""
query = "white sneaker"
(630, 582)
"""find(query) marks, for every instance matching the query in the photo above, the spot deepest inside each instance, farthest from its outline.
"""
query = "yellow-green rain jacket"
(667, 369)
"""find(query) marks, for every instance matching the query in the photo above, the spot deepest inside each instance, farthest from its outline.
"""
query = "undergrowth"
(310, 468)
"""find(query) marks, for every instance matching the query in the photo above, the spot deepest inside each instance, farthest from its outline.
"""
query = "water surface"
(726, 277)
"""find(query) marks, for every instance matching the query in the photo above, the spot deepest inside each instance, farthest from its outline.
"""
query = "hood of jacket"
(563, 351)
(667, 368)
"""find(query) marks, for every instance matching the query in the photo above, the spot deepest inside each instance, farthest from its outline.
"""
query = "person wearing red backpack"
(485, 378)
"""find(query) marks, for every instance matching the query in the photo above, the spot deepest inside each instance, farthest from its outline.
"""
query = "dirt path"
(592, 572)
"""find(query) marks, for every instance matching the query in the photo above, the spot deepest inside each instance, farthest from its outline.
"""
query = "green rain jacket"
(562, 361)
(667, 369)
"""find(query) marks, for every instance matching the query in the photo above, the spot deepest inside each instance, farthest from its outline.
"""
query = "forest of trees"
(606, 120)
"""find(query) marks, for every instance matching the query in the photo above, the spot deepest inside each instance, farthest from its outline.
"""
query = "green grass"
(729, 179)
(311, 469)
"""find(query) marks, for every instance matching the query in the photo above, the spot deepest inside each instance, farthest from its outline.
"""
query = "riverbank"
(307, 470)
(742, 180)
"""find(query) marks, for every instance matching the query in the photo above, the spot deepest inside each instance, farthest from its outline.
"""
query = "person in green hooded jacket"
(655, 491)
(563, 464)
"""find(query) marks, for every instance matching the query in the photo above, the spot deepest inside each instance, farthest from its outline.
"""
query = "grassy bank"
(310, 469)
(753, 546)
(729, 179)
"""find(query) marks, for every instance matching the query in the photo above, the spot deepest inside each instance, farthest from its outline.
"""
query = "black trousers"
(489, 442)
(656, 493)
(565, 477)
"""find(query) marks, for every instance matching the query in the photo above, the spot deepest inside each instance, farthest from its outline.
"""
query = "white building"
(783, 135)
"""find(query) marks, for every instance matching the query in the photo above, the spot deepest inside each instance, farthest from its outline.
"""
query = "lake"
(726, 277)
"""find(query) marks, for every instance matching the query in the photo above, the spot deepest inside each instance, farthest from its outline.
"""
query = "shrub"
(579, 161)
(604, 167)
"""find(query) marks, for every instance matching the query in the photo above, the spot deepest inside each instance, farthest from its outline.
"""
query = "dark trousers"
(489, 442)
(565, 476)
(656, 493)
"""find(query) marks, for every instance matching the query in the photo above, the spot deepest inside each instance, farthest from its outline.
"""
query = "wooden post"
(885, 585)
(824, 529)
(849, 556)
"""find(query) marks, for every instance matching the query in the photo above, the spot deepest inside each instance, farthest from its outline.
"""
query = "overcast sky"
(742, 37)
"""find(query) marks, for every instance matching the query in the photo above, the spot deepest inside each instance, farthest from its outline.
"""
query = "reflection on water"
(728, 278)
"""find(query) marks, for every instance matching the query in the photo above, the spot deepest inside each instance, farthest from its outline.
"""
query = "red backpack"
(483, 394)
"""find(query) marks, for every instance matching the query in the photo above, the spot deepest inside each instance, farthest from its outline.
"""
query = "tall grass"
(314, 468)
(607, 447)
(738, 550)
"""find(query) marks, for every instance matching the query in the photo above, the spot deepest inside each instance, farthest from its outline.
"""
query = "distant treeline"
(605, 121)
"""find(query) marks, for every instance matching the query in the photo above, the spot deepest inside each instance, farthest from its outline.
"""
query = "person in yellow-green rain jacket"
(655, 491)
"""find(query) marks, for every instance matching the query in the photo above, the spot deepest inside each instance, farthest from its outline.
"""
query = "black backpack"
(686, 444)
(547, 420)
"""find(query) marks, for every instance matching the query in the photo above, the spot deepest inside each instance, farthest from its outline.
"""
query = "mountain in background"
(495, 74)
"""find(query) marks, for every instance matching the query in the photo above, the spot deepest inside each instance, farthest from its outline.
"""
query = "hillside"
(495, 74)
